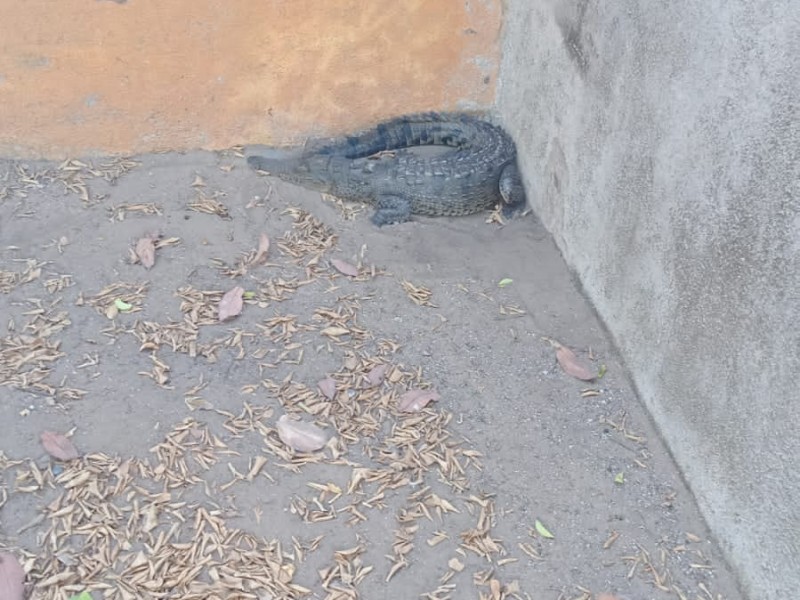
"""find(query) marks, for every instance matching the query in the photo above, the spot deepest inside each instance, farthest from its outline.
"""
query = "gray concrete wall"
(660, 142)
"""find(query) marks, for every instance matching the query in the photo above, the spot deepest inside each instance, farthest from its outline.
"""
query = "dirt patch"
(458, 459)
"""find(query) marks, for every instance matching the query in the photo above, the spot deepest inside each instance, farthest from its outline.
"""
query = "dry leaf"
(376, 375)
(303, 437)
(495, 589)
(456, 565)
(328, 388)
(334, 331)
(571, 364)
(146, 252)
(150, 518)
(263, 248)
(12, 578)
(344, 268)
(231, 303)
(416, 400)
(58, 446)
(608, 597)
(197, 402)
(198, 181)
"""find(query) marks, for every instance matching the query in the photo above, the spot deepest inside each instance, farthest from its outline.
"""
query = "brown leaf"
(146, 252)
(303, 437)
(328, 388)
(263, 248)
(58, 446)
(376, 375)
(345, 268)
(608, 597)
(12, 578)
(495, 589)
(198, 181)
(416, 400)
(231, 303)
(334, 331)
(571, 364)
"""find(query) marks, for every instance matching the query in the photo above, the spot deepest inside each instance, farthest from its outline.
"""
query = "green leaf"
(619, 478)
(602, 371)
(82, 596)
(505, 282)
(122, 306)
(249, 295)
(542, 530)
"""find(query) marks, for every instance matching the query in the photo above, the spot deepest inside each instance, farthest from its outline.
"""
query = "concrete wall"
(101, 76)
(662, 144)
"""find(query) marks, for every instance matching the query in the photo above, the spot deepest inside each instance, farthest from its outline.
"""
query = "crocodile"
(476, 171)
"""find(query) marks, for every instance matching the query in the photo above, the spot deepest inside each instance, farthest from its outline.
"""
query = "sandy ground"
(184, 488)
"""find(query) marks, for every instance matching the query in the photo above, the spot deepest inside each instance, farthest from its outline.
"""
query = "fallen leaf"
(328, 388)
(612, 538)
(150, 518)
(198, 403)
(82, 596)
(303, 437)
(122, 306)
(505, 282)
(376, 375)
(12, 577)
(619, 478)
(416, 400)
(334, 331)
(456, 565)
(58, 446)
(542, 530)
(494, 589)
(146, 252)
(571, 364)
(344, 267)
(263, 248)
(198, 181)
(231, 303)
(608, 597)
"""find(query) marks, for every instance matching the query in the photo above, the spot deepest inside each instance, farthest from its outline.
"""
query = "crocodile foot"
(391, 209)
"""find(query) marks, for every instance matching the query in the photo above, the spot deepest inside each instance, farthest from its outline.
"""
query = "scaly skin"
(377, 167)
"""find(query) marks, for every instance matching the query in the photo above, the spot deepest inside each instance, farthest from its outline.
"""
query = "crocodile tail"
(422, 129)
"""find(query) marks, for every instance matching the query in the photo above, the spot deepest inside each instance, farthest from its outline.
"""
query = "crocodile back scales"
(455, 130)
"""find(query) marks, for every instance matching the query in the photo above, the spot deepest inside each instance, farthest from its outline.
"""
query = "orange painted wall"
(84, 77)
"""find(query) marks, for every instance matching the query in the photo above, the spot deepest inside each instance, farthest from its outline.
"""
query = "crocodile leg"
(512, 191)
(391, 209)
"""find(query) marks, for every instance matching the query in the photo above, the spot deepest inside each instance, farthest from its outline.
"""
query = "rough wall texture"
(85, 76)
(662, 142)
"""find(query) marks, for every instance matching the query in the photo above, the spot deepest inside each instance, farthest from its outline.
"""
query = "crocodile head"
(311, 171)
